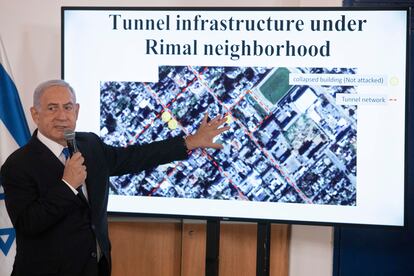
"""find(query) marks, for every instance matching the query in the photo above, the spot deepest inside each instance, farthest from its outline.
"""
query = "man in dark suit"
(58, 204)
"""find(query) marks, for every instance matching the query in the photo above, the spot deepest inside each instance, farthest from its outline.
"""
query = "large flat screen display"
(315, 100)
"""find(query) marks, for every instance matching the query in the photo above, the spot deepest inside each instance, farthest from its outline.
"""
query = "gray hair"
(41, 88)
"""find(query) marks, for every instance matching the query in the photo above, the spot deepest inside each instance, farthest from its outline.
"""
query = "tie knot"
(66, 153)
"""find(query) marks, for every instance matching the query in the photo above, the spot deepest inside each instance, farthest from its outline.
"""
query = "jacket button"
(93, 254)
(93, 227)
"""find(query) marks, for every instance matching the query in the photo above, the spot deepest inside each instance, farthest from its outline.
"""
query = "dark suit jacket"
(56, 231)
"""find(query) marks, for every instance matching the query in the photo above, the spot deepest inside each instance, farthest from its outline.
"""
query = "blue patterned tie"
(66, 153)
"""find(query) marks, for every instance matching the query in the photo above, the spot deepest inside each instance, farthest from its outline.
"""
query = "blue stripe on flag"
(10, 235)
(11, 111)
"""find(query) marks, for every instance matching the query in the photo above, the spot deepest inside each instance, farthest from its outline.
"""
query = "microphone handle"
(72, 146)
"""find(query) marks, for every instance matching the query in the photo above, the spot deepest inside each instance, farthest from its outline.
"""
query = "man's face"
(57, 112)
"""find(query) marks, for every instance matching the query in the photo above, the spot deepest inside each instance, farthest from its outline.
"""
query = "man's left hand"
(203, 138)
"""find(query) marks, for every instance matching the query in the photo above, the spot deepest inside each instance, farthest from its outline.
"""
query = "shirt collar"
(54, 147)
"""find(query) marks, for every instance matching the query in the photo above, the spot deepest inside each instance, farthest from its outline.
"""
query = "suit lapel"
(43, 154)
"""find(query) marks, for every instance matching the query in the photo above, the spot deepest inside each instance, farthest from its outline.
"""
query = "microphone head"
(69, 134)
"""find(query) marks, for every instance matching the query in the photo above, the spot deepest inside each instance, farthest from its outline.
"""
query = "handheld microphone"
(69, 136)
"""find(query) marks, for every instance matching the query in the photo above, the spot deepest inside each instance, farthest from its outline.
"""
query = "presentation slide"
(315, 100)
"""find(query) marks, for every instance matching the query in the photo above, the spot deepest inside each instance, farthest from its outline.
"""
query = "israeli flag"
(14, 133)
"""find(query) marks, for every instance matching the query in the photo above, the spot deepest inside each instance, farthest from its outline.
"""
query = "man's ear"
(35, 114)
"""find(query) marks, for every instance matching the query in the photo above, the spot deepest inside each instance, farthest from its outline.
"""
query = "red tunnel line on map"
(198, 76)
(259, 101)
(204, 152)
(157, 116)
(189, 84)
(292, 184)
(303, 196)
(238, 101)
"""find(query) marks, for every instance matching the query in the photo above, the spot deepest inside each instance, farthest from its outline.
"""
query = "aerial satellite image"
(288, 143)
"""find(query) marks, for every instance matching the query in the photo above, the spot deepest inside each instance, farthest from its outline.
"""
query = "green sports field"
(276, 86)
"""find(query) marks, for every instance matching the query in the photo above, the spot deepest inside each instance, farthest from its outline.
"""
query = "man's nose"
(61, 114)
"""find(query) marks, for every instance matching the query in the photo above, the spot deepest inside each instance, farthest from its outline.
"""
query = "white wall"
(30, 30)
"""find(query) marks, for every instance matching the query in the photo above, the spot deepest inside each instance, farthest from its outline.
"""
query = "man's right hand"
(75, 172)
